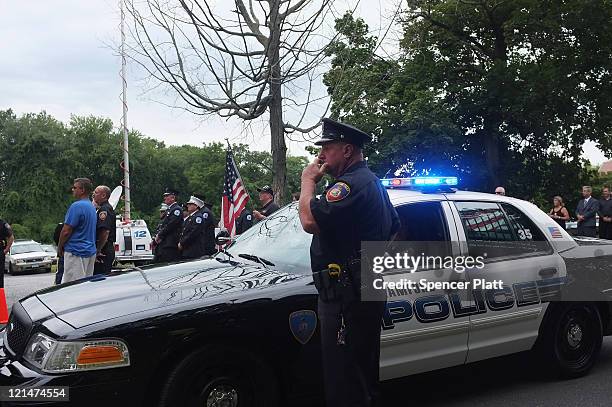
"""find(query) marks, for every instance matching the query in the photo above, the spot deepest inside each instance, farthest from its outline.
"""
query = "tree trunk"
(491, 147)
(277, 130)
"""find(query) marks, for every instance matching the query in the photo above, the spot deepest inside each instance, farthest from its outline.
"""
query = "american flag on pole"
(235, 195)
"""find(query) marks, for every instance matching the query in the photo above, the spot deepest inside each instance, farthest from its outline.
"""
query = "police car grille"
(33, 260)
(18, 330)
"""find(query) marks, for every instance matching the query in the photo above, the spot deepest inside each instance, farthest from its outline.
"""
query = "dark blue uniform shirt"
(354, 209)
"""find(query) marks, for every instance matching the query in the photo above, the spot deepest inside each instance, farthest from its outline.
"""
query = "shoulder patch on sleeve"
(337, 192)
(205, 215)
(102, 215)
(177, 212)
(249, 217)
(198, 220)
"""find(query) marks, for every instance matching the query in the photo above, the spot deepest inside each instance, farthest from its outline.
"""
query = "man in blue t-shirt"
(77, 242)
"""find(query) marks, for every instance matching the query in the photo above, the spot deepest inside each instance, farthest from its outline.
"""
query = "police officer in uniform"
(244, 221)
(167, 238)
(268, 206)
(106, 229)
(354, 208)
(209, 227)
(6, 241)
(191, 243)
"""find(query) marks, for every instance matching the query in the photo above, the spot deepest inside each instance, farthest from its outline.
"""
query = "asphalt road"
(17, 287)
(508, 381)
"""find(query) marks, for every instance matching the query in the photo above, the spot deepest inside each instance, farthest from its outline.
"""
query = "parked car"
(52, 250)
(27, 255)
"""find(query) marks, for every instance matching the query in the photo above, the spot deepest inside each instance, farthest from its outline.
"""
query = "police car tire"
(215, 371)
(10, 269)
(571, 339)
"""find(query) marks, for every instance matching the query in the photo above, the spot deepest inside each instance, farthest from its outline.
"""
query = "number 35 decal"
(140, 233)
(525, 234)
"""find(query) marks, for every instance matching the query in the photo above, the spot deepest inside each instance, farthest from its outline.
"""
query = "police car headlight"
(48, 258)
(54, 356)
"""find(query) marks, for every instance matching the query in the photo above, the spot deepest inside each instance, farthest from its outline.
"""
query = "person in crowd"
(605, 214)
(167, 238)
(162, 211)
(6, 241)
(268, 206)
(559, 212)
(60, 260)
(105, 231)
(586, 212)
(77, 242)
(191, 242)
(244, 221)
(500, 191)
(209, 227)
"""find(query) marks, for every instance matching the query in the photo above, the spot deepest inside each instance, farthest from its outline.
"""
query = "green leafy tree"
(482, 88)
(40, 157)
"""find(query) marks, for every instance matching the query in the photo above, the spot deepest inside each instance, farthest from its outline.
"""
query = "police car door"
(420, 332)
(517, 257)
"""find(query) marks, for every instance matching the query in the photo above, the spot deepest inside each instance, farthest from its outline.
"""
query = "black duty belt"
(336, 283)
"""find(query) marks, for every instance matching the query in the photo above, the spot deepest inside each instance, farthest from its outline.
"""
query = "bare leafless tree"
(237, 61)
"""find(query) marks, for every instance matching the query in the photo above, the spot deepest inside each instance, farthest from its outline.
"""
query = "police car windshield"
(279, 239)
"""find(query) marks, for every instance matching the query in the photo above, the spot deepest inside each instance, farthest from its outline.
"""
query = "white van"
(133, 242)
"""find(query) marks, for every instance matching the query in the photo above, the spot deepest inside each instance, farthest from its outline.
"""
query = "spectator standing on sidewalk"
(77, 243)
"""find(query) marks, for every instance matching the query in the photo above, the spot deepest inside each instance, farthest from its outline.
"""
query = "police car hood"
(191, 284)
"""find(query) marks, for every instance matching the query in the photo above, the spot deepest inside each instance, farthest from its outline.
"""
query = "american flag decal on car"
(555, 233)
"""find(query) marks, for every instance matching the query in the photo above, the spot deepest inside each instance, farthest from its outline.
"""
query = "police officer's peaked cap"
(171, 191)
(196, 201)
(266, 188)
(336, 131)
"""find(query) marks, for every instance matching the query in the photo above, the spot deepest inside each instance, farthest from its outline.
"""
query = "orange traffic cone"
(3, 308)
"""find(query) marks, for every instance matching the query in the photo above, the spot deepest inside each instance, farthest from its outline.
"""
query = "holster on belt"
(334, 283)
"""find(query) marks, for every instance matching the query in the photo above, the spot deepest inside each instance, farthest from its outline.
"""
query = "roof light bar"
(422, 182)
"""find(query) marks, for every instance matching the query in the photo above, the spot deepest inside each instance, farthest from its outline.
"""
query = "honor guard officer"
(244, 221)
(167, 238)
(162, 214)
(268, 206)
(209, 227)
(191, 243)
(356, 208)
(6, 241)
(105, 231)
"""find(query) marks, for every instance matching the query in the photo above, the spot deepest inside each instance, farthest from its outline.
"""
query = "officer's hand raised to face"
(314, 171)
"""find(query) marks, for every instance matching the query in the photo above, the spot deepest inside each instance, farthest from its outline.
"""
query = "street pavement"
(18, 286)
(509, 381)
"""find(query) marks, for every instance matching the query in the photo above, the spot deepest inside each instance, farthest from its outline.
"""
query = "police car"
(240, 328)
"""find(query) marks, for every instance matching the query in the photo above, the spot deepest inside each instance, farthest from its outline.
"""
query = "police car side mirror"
(221, 240)
(223, 237)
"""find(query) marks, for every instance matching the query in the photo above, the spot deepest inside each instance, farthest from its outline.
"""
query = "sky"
(58, 56)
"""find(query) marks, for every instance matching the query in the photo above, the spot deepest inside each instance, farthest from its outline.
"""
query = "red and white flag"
(235, 195)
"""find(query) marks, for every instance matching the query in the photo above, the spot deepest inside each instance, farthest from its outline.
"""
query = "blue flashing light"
(422, 182)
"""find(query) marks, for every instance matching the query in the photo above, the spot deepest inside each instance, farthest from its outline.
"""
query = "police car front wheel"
(220, 377)
(571, 339)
